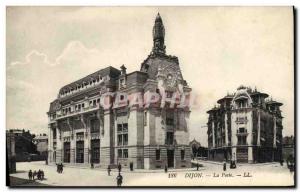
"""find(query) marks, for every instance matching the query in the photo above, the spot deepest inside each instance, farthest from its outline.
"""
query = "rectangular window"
(125, 153)
(125, 139)
(170, 118)
(119, 139)
(170, 138)
(125, 127)
(95, 126)
(242, 140)
(54, 133)
(242, 130)
(182, 154)
(157, 154)
(145, 118)
(119, 129)
(170, 121)
(119, 153)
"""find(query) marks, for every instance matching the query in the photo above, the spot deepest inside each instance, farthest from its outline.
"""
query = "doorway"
(67, 152)
(170, 156)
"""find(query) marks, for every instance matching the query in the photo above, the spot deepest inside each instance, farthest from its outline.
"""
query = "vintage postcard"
(150, 96)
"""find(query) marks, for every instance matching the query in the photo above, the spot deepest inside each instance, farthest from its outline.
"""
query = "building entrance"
(170, 156)
(95, 151)
(79, 152)
(67, 152)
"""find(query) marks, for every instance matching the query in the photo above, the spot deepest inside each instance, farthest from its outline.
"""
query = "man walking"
(131, 166)
(30, 174)
(119, 180)
(119, 167)
(108, 170)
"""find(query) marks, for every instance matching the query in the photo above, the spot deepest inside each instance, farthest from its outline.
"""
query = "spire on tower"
(158, 36)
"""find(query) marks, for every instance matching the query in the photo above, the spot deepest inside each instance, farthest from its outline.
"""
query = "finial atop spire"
(158, 36)
(123, 69)
(158, 18)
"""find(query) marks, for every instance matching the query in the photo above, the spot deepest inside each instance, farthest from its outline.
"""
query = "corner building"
(82, 131)
(245, 127)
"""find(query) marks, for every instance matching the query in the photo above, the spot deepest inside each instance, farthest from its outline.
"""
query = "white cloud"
(217, 51)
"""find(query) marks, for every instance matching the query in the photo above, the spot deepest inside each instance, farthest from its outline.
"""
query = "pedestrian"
(30, 174)
(166, 168)
(108, 170)
(92, 165)
(119, 167)
(34, 174)
(131, 166)
(39, 175)
(61, 168)
(42, 175)
(281, 162)
(224, 165)
(119, 180)
(197, 166)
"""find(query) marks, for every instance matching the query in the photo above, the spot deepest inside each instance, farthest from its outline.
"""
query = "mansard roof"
(213, 110)
(227, 97)
(54, 105)
(271, 102)
(110, 71)
(257, 93)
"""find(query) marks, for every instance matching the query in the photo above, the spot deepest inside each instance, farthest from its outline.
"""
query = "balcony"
(80, 137)
(95, 135)
(79, 111)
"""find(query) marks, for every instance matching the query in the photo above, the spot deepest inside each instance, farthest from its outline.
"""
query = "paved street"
(211, 174)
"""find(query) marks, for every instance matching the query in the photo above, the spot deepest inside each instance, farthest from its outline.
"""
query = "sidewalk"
(239, 164)
(127, 170)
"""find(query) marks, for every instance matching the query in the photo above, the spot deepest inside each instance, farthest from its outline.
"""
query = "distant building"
(10, 152)
(198, 151)
(23, 141)
(41, 142)
(288, 146)
(246, 127)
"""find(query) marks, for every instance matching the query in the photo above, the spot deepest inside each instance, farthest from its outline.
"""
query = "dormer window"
(122, 83)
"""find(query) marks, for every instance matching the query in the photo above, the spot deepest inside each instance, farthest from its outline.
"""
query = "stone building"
(10, 152)
(41, 142)
(246, 127)
(111, 116)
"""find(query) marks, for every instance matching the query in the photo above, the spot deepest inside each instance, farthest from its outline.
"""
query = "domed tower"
(158, 36)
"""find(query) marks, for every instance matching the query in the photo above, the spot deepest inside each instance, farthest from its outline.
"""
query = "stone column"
(72, 143)
(258, 128)
(87, 139)
(147, 139)
(213, 133)
(59, 146)
(233, 136)
(50, 143)
(226, 130)
(73, 149)
(107, 140)
(275, 132)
